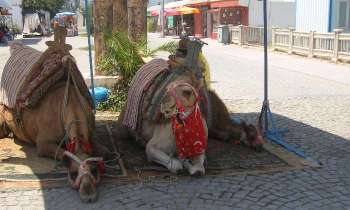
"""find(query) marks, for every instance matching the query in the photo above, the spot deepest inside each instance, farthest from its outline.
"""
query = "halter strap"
(179, 105)
(84, 169)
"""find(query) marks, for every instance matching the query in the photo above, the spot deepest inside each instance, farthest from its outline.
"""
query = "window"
(344, 14)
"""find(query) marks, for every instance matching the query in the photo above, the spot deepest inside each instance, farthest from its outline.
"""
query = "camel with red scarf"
(60, 125)
(179, 140)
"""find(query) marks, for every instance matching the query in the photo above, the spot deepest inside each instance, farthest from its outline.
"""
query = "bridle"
(73, 144)
(182, 113)
(84, 169)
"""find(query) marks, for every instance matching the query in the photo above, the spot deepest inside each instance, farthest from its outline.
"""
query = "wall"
(280, 13)
(312, 15)
(17, 13)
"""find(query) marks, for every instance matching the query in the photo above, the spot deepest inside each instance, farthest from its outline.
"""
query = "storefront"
(203, 17)
(215, 13)
(225, 13)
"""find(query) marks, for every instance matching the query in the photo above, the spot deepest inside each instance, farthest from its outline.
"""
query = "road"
(310, 97)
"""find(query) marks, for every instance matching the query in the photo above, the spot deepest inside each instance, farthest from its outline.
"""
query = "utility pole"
(162, 18)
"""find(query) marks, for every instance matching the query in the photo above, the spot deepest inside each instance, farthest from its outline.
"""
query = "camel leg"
(47, 149)
(162, 147)
(160, 157)
(197, 165)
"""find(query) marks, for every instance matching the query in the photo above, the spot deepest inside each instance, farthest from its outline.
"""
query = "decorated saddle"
(29, 74)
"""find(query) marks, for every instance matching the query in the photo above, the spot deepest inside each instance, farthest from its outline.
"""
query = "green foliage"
(53, 6)
(168, 47)
(116, 101)
(122, 56)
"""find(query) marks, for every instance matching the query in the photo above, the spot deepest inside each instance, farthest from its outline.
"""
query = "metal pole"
(162, 18)
(266, 99)
(88, 28)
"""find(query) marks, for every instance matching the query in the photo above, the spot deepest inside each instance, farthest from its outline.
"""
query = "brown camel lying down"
(43, 127)
(223, 128)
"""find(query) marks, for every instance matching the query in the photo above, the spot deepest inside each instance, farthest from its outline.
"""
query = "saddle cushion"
(15, 72)
(140, 84)
(29, 74)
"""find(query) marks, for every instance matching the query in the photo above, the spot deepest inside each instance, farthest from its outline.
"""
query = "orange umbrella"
(187, 10)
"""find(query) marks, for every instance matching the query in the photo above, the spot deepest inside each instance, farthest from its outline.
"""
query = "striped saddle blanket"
(15, 72)
(29, 74)
(140, 85)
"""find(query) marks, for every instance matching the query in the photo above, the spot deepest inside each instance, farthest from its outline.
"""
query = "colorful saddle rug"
(140, 84)
(15, 72)
(29, 74)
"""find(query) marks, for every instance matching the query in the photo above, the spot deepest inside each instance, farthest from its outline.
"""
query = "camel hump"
(14, 45)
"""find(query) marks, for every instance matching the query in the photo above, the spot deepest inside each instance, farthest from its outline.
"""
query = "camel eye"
(187, 93)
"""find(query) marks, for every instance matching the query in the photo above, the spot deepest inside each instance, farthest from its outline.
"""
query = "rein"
(72, 144)
(84, 169)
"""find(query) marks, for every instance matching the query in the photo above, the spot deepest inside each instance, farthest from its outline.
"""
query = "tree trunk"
(103, 20)
(137, 19)
(120, 15)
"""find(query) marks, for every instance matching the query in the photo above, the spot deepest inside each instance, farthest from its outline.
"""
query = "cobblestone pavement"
(309, 97)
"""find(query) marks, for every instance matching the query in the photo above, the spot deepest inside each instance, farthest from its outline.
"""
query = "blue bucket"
(101, 94)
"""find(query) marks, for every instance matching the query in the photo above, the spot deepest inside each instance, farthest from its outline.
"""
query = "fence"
(246, 35)
(330, 45)
(335, 46)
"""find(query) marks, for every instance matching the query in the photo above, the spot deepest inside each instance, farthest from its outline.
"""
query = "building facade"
(322, 15)
(281, 13)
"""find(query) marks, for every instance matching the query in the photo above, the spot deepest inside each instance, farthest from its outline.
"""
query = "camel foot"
(195, 170)
(174, 165)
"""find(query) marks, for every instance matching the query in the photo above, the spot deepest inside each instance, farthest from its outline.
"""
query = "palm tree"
(120, 15)
(103, 19)
(137, 19)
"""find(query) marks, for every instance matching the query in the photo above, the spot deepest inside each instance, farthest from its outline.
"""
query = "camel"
(225, 129)
(42, 127)
(159, 137)
(60, 125)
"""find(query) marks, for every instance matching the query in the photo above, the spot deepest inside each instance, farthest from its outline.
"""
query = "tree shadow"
(316, 143)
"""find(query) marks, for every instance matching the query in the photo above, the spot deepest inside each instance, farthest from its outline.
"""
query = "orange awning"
(188, 10)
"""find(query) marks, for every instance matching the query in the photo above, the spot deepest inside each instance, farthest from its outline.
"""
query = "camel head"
(179, 99)
(251, 136)
(83, 173)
